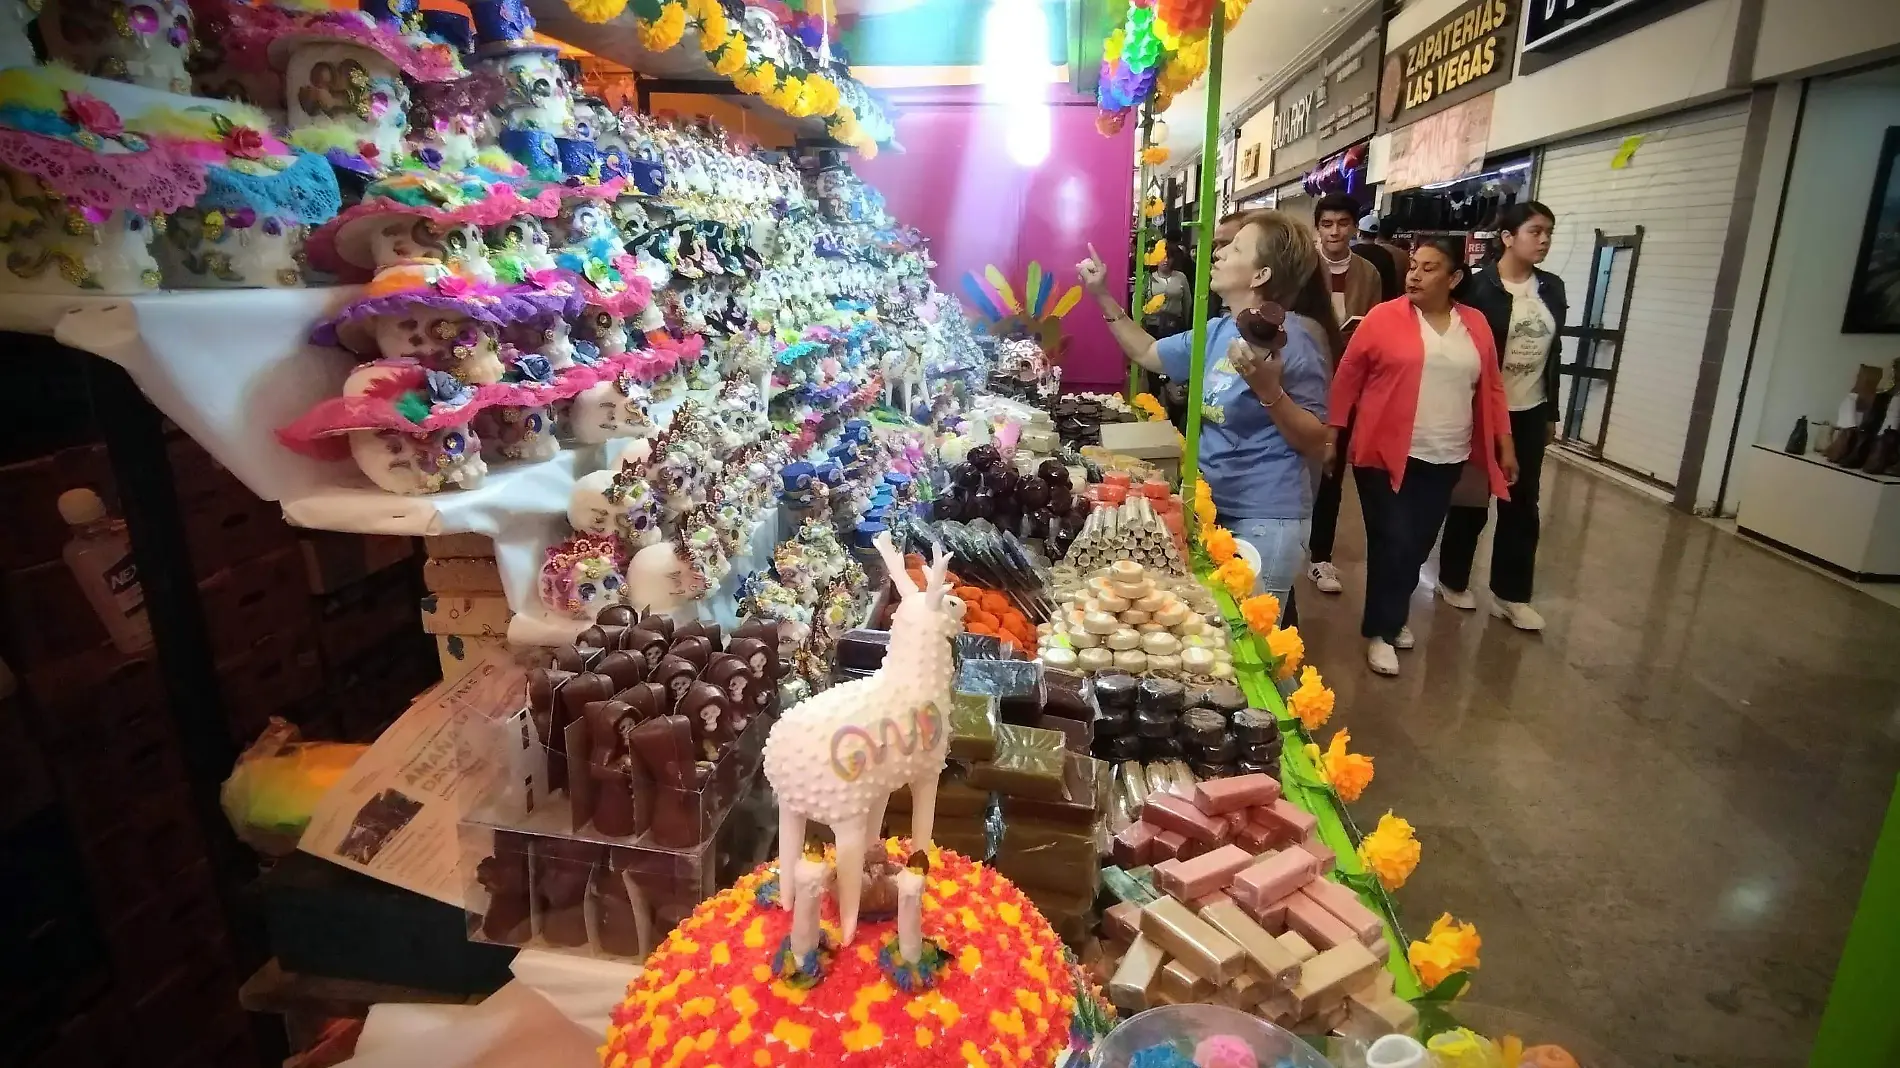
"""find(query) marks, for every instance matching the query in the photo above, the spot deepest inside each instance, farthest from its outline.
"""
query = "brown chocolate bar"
(1185, 935)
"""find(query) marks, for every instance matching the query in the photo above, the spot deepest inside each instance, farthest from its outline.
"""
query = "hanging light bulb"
(1158, 133)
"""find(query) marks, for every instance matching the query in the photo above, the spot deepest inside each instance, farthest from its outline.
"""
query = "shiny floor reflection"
(1660, 810)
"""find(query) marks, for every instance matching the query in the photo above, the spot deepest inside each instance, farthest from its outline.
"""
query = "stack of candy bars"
(1223, 898)
(1128, 529)
(1210, 727)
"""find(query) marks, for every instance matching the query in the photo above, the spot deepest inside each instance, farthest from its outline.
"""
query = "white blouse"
(1527, 344)
(1441, 431)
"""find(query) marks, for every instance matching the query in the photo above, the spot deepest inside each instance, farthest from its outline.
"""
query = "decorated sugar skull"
(612, 409)
(615, 502)
(519, 246)
(442, 340)
(606, 330)
(213, 249)
(660, 579)
(535, 91)
(144, 42)
(583, 575)
(412, 464)
(348, 93)
(525, 433)
(546, 335)
(55, 246)
(583, 220)
(397, 238)
(464, 251)
(450, 121)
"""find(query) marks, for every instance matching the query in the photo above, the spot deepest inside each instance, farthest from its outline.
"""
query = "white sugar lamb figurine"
(836, 756)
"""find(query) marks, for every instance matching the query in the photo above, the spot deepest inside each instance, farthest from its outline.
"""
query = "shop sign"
(1554, 23)
(1464, 55)
(1293, 116)
(1440, 148)
(1331, 105)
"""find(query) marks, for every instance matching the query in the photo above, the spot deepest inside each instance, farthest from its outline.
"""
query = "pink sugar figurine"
(1224, 1051)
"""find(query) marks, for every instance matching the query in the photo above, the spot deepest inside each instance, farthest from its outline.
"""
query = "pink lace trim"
(151, 182)
(430, 62)
(502, 203)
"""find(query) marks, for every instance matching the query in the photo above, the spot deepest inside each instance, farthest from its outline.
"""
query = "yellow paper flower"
(597, 10)
(1449, 947)
(1150, 407)
(664, 32)
(731, 57)
(1312, 702)
(1112, 47)
(1261, 611)
(1157, 255)
(1153, 304)
(712, 23)
(1153, 208)
(1349, 773)
(1236, 576)
(1203, 502)
(1234, 9)
(1219, 543)
(1391, 851)
(1288, 649)
(1154, 155)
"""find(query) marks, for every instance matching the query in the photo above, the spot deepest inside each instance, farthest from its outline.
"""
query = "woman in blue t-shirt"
(1263, 414)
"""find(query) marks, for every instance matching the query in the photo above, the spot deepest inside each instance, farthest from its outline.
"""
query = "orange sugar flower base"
(707, 996)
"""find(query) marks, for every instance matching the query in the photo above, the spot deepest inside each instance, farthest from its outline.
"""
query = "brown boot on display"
(1886, 454)
(1846, 442)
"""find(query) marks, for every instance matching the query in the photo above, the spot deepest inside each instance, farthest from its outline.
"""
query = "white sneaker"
(1464, 599)
(1381, 658)
(1325, 577)
(1521, 615)
(1405, 640)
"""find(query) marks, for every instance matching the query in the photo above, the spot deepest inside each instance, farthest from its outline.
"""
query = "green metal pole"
(1140, 290)
(1203, 253)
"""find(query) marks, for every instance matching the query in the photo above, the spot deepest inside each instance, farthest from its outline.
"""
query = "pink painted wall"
(955, 182)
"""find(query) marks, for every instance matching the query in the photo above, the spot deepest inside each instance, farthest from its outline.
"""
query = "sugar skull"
(607, 410)
(473, 350)
(519, 246)
(211, 249)
(615, 502)
(144, 43)
(535, 92)
(584, 574)
(54, 246)
(345, 88)
(517, 433)
(395, 239)
(413, 464)
(659, 580)
(583, 220)
(545, 335)
(464, 251)
(607, 331)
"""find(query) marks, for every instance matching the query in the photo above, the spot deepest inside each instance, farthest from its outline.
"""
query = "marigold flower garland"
(1147, 405)
(1236, 576)
(1449, 947)
(1288, 649)
(1157, 255)
(1219, 543)
(1348, 773)
(1153, 304)
(1312, 703)
(1391, 851)
(1262, 612)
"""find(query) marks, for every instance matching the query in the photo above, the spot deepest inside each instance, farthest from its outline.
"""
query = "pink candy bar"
(1204, 874)
(1254, 838)
(1167, 845)
(1319, 851)
(1299, 821)
(1202, 904)
(1134, 847)
(1316, 923)
(1344, 904)
(1122, 922)
(1236, 821)
(1178, 814)
(1219, 796)
(1272, 878)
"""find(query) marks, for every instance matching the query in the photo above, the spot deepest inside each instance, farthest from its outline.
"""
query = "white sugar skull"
(583, 220)
(607, 410)
(230, 250)
(545, 335)
(608, 502)
(536, 93)
(512, 433)
(607, 331)
(348, 89)
(53, 247)
(465, 253)
(413, 464)
(396, 239)
(520, 245)
(660, 581)
(143, 42)
(583, 575)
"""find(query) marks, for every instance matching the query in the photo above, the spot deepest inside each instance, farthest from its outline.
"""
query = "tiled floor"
(1659, 811)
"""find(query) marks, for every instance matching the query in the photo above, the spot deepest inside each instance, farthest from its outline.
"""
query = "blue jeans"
(1281, 544)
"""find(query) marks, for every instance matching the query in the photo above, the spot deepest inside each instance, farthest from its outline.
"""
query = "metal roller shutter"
(1679, 187)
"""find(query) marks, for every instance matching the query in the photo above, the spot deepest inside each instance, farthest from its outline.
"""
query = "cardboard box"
(447, 546)
(464, 575)
(457, 651)
(333, 560)
(1155, 442)
(482, 617)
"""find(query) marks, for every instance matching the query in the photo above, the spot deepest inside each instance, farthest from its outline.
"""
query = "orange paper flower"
(1349, 773)
(1262, 612)
(1219, 543)
(1153, 304)
(1154, 155)
(1391, 851)
(1153, 208)
(1157, 255)
(1288, 649)
(1449, 947)
(1150, 407)
(1203, 502)
(1312, 703)
(1236, 576)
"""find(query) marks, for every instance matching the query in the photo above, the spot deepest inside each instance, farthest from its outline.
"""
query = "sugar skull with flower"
(145, 42)
(584, 574)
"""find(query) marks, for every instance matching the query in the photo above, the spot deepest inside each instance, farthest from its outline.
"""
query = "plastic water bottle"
(100, 557)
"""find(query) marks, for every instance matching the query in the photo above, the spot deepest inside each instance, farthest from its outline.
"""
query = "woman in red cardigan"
(1420, 386)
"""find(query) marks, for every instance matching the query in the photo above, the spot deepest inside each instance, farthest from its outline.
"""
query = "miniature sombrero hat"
(344, 243)
(429, 284)
(399, 395)
(504, 26)
(414, 53)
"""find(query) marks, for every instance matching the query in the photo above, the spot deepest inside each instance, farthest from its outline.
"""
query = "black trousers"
(1514, 546)
(1319, 544)
(1401, 526)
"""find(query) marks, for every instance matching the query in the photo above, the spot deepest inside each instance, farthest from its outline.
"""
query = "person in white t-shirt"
(1524, 306)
